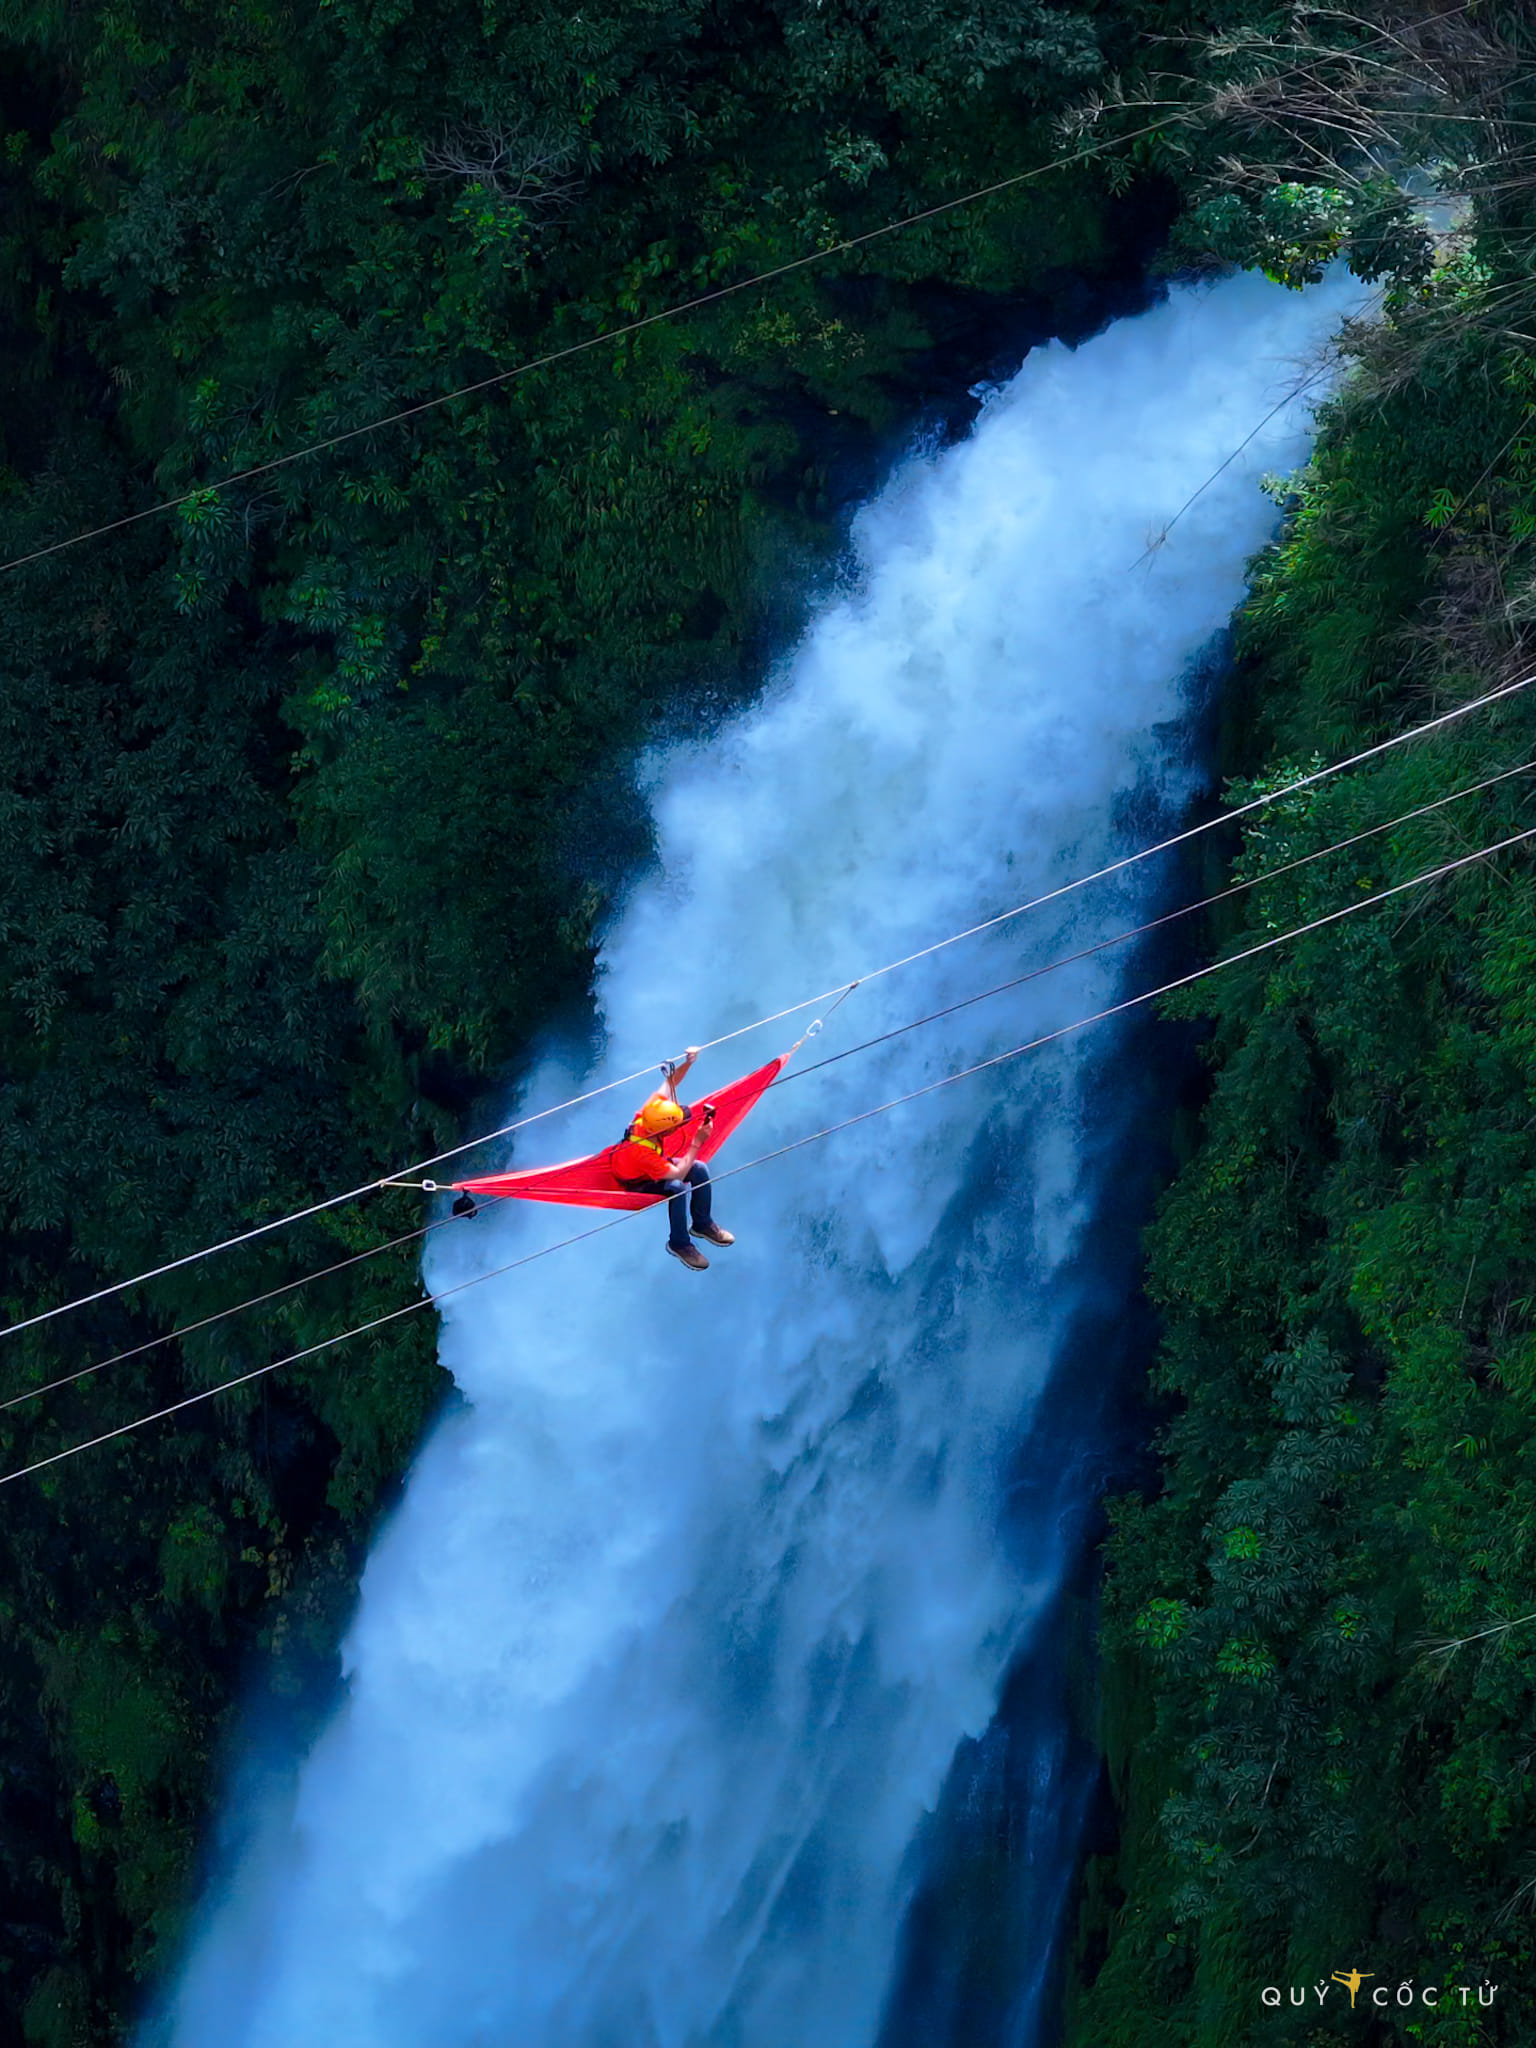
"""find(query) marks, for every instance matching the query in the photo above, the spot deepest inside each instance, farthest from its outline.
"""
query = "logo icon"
(1352, 1980)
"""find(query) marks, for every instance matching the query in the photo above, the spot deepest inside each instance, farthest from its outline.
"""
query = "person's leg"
(677, 1216)
(703, 1223)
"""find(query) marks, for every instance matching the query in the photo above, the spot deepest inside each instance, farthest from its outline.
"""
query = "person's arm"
(685, 1162)
(680, 1071)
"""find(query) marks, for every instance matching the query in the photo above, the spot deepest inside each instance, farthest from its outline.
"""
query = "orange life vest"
(637, 1157)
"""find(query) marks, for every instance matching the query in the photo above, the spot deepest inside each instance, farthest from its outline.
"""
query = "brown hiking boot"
(712, 1233)
(694, 1261)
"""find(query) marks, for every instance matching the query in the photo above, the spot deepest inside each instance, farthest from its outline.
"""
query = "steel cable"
(1116, 1009)
(1119, 866)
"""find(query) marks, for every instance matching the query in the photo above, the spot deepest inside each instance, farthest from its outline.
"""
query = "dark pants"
(678, 1207)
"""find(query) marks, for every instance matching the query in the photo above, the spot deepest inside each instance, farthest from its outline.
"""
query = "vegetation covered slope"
(1321, 1677)
(310, 795)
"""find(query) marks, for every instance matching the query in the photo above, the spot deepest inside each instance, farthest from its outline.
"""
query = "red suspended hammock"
(589, 1183)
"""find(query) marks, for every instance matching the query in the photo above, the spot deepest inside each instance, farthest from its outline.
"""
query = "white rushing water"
(663, 1661)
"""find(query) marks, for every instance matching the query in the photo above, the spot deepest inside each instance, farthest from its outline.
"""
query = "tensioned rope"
(801, 1073)
(1082, 153)
(1150, 551)
(1147, 996)
(1363, 312)
(1297, 391)
(1154, 546)
(1156, 923)
(222, 1315)
(281, 1222)
(1181, 838)
(1437, 873)
(592, 341)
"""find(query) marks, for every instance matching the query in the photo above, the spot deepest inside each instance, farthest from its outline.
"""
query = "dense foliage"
(311, 794)
(1321, 1652)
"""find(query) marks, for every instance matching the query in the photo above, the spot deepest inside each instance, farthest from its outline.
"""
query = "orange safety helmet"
(660, 1114)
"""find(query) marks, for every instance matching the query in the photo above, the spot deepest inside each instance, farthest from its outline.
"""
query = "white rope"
(1150, 995)
(811, 1031)
(1084, 153)
(1153, 995)
(838, 989)
(85, 1372)
(1460, 1642)
(311, 1350)
(577, 348)
(1167, 917)
(1257, 803)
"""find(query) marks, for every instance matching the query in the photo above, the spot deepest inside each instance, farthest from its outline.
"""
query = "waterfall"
(661, 1667)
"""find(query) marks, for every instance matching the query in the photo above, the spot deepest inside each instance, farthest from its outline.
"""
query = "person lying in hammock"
(650, 1159)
